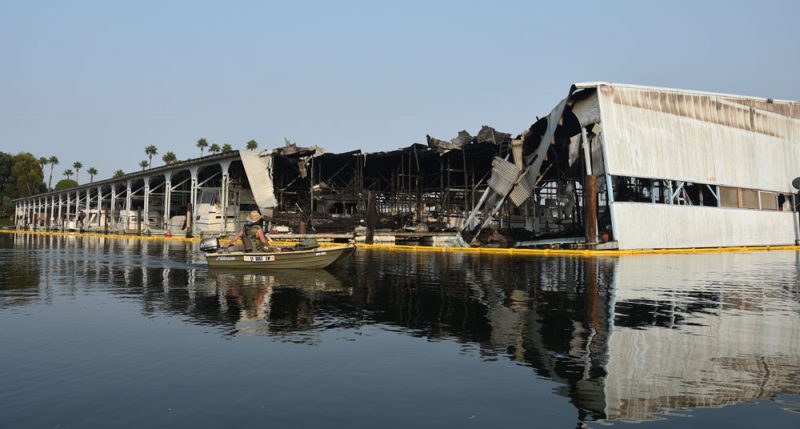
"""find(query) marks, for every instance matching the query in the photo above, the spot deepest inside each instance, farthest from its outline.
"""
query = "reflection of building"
(624, 338)
(19, 279)
(726, 334)
(687, 330)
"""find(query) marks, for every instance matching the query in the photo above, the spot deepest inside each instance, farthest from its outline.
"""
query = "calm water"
(119, 333)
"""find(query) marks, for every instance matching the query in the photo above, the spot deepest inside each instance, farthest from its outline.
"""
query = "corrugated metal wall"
(703, 138)
(654, 226)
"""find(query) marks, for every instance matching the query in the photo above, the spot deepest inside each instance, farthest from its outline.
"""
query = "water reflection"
(702, 330)
(281, 301)
(628, 339)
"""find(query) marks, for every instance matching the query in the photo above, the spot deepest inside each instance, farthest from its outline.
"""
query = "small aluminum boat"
(319, 257)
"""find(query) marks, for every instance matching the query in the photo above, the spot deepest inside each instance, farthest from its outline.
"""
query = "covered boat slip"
(635, 167)
(320, 257)
(724, 164)
(612, 166)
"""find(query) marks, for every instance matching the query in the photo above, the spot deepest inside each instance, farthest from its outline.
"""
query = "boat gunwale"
(286, 253)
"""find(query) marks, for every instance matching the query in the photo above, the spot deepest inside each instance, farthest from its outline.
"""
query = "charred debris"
(438, 189)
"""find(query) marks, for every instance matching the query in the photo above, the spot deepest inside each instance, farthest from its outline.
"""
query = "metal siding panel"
(524, 188)
(504, 174)
(655, 226)
(656, 136)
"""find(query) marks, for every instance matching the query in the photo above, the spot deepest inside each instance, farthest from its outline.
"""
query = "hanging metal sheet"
(504, 174)
(259, 173)
(587, 111)
(523, 190)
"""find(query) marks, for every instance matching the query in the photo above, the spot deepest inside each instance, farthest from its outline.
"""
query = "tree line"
(170, 158)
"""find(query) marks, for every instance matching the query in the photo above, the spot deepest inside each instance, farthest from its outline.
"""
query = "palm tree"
(226, 148)
(92, 171)
(52, 161)
(42, 162)
(202, 143)
(68, 173)
(169, 158)
(150, 151)
(119, 173)
(77, 166)
(144, 164)
(252, 145)
(214, 148)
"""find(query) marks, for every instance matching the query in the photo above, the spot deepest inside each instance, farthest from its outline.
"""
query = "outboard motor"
(210, 245)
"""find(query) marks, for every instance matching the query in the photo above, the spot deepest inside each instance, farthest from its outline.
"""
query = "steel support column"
(590, 210)
(69, 212)
(99, 206)
(127, 206)
(52, 211)
(669, 190)
(146, 210)
(193, 196)
(610, 188)
(794, 215)
(167, 198)
(60, 203)
(225, 165)
(652, 191)
(112, 206)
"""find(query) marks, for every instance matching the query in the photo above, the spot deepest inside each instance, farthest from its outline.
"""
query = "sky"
(98, 81)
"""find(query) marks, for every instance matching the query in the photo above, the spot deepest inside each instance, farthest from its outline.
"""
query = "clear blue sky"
(97, 81)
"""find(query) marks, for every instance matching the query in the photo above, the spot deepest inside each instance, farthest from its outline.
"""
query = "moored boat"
(319, 257)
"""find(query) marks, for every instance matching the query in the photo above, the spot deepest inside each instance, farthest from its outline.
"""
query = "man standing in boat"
(253, 235)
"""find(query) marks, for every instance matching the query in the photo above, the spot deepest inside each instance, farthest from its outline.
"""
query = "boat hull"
(300, 259)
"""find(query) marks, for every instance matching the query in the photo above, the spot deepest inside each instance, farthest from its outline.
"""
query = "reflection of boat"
(277, 300)
(312, 280)
(307, 259)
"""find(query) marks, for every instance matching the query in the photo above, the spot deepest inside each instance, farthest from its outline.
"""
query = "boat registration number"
(320, 254)
(268, 258)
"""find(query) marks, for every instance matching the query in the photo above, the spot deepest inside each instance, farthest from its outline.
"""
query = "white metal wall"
(704, 138)
(657, 226)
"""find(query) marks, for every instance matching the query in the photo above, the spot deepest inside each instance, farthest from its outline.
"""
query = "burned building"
(419, 188)
(633, 167)
(611, 166)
